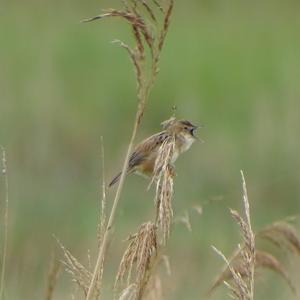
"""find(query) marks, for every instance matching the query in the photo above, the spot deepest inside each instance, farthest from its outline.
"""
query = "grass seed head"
(137, 257)
(163, 176)
(282, 235)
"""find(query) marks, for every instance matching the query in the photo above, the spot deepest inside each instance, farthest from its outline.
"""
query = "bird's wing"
(147, 146)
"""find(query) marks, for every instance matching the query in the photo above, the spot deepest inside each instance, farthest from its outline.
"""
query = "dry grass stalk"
(149, 10)
(263, 260)
(79, 273)
(52, 277)
(163, 176)
(282, 235)
(102, 221)
(266, 260)
(243, 274)
(144, 33)
(154, 42)
(5, 238)
(239, 290)
(158, 5)
(225, 273)
(166, 24)
(140, 253)
(249, 238)
(162, 35)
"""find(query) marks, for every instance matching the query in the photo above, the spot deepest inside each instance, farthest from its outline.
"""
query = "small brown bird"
(142, 160)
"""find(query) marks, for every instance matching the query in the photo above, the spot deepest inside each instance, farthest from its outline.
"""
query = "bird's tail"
(115, 179)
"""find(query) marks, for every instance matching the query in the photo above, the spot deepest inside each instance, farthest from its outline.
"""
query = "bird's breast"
(185, 143)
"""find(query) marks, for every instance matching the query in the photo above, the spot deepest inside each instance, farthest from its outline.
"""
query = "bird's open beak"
(192, 130)
(195, 127)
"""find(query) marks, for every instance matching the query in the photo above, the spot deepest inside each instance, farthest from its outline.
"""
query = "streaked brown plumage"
(142, 160)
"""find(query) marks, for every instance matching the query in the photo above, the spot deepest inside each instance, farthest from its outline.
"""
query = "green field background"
(232, 66)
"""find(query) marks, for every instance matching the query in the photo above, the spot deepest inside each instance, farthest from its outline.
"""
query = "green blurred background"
(233, 66)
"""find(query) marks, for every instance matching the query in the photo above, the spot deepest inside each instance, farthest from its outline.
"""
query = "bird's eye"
(186, 128)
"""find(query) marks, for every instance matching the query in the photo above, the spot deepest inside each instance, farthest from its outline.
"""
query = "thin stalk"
(4, 254)
(143, 96)
(251, 241)
(114, 207)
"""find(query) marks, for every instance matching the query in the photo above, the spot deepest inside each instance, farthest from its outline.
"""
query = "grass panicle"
(150, 24)
(242, 274)
(263, 260)
(138, 257)
(80, 274)
(163, 176)
(268, 261)
(283, 235)
(241, 267)
(239, 289)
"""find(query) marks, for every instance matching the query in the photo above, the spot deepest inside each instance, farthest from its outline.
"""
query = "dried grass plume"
(242, 274)
(137, 259)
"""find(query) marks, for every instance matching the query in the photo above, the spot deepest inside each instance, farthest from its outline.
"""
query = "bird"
(142, 160)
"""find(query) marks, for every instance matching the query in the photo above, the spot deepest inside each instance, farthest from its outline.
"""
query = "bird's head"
(185, 127)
